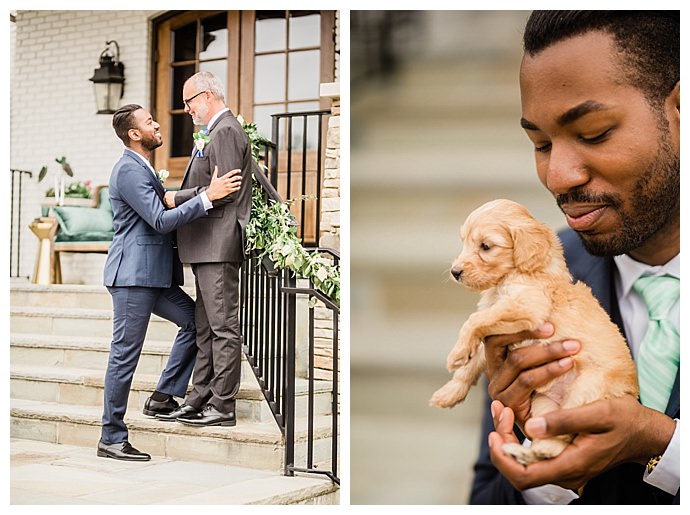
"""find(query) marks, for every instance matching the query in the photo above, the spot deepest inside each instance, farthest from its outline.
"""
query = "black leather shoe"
(184, 411)
(153, 407)
(211, 417)
(121, 451)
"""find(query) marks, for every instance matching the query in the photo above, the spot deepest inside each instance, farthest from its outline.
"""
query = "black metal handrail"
(17, 177)
(269, 324)
(289, 142)
(291, 468)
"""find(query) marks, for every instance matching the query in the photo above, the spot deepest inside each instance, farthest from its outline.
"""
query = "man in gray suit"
(214, 246)
(143, 274)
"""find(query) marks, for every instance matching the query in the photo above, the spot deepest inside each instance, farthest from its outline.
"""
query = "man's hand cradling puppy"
(609, 432)
(513, 375)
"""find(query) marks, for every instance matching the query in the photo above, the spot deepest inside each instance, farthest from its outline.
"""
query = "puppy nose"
(457, 273)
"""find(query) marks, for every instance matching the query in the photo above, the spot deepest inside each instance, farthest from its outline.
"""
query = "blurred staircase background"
(434, 133)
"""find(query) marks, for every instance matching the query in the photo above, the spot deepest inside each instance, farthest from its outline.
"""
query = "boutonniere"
(201, 140)
(162, 175)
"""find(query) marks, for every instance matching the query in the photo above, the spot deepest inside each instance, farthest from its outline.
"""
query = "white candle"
(62, 189)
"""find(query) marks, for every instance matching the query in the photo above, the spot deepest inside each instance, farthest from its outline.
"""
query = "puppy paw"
(523, 455)
(549, 447)
(538, 451)
(449, 394)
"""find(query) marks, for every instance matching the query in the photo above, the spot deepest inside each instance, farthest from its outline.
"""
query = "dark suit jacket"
(621, 485)
(142, 253)
(219, 237)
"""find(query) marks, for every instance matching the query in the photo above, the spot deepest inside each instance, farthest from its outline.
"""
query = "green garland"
(271, 229)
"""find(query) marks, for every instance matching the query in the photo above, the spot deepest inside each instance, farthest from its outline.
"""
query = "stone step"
(257, 445)
(81, 351)
(60, 295)
(79, 386)
(84, 296)
(79, 322)
(84, 387)
(87, 352)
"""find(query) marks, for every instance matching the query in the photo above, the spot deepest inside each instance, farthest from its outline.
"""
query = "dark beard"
(653, 205)
(150, 143)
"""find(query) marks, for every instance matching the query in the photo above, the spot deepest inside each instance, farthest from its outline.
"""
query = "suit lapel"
(210, 129)
(160, 191)
(189, 165)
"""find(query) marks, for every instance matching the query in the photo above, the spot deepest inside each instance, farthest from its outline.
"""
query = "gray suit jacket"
(142, 253)
(219, 237)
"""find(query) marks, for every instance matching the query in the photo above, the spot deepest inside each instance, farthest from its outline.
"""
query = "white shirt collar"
(215, 117)
(630, 270)
(143, 159)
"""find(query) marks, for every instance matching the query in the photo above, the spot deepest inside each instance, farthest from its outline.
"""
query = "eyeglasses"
(188, 100)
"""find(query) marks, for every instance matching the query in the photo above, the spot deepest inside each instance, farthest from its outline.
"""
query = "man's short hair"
(209, 82)
(649, 42)
(123, 120)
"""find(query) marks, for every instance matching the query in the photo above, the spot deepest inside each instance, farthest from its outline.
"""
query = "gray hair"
(209, 82)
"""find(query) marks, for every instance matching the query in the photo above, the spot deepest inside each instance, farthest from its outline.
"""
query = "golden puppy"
(517, 263)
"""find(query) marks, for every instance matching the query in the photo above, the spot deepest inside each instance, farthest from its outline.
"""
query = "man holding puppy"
(601, 104)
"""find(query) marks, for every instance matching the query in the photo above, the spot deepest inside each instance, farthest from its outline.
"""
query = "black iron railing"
(268, 318)
(16, 210)
(296, 166)
(290, 430)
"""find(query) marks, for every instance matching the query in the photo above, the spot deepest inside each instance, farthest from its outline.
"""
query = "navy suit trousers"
(132, 309)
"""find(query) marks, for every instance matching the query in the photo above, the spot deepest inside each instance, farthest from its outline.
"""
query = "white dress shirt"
(633, 309)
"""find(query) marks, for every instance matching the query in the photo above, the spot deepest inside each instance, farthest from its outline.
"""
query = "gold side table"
(46, 269)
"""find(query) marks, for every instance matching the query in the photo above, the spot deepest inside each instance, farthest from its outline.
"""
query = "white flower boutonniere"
(162, 175)
(201, 140)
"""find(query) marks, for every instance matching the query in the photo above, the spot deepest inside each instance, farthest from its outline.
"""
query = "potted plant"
(75, 193)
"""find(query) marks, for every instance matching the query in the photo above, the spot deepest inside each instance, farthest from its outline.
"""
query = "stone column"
(329, 231)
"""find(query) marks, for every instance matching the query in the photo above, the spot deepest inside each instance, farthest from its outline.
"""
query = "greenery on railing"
(272, 230)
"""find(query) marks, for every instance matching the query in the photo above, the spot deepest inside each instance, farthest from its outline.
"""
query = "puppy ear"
(532, 244)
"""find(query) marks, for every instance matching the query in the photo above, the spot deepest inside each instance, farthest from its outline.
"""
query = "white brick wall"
(53, 110)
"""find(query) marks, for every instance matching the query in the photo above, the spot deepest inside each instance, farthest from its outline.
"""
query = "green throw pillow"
(84, 224)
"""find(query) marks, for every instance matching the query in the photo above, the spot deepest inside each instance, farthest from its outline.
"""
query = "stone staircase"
(59, 344)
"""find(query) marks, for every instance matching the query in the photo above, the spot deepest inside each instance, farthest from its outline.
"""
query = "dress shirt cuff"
(207, 203)
(547, 494)
(666, 474)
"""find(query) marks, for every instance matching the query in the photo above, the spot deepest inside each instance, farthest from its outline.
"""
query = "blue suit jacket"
(620, 485)
(142, 253)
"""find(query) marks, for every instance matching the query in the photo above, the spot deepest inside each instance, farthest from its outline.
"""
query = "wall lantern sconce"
(109, 80)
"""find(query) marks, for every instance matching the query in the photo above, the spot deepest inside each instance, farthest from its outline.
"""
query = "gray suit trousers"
(216, 377)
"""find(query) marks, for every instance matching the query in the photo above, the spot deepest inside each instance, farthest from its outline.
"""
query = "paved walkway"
(43, 473)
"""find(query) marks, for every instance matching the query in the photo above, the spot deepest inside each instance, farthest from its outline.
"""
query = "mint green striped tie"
(659, 356)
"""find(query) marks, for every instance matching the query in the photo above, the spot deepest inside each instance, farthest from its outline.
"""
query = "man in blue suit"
(601, 104)
(143, 274)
